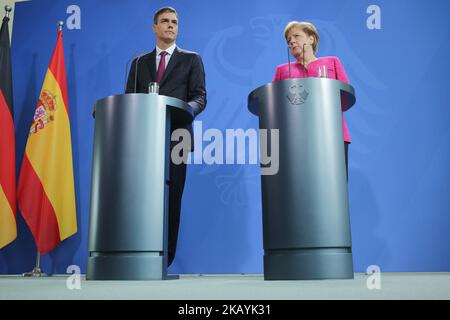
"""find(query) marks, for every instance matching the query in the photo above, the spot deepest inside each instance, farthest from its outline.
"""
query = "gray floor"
(230, 287)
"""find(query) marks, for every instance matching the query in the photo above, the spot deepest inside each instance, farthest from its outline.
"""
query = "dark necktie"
(162, 66)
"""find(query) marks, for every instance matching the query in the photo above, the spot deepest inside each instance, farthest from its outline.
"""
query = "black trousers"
(177, 178)
(176, 187)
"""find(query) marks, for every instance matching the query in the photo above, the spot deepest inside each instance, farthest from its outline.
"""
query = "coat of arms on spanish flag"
(46, 194)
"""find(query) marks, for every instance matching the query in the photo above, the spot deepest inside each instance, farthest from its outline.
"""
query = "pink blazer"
(335, 71)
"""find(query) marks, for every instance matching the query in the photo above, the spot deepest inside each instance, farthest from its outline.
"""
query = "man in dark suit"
(181, 75)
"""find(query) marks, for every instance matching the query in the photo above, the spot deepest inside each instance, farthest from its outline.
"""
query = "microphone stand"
(305, 71)
(126, 70)
(289, 62)
(135, 72)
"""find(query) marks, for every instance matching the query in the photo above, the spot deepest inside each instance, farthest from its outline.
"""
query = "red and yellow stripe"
(46, 186)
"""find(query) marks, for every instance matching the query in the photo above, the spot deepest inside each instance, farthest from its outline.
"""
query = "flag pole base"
(36, 273)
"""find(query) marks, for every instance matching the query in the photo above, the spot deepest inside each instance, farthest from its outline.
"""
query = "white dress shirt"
(169, 51)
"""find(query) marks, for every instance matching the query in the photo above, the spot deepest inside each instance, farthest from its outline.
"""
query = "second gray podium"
(129, 195)
(306, 225)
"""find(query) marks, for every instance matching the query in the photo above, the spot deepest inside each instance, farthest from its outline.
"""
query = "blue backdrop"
(399, 178)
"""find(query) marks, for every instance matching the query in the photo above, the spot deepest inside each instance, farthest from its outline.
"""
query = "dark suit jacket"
(184, 78)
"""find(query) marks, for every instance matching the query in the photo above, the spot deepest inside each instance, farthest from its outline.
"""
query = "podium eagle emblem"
(297, 94)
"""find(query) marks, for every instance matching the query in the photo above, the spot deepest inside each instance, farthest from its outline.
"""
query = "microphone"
(126, 70)
(135, 71)
(305, 71)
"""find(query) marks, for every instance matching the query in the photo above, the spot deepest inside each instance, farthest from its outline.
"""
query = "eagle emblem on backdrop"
(45, 111)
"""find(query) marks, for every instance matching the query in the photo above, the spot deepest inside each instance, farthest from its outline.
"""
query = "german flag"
(8, 226)
(46, 192)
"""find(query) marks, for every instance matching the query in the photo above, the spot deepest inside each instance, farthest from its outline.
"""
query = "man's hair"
(161, 11)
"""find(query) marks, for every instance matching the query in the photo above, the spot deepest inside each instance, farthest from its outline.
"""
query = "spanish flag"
(8, 228)
(46, 192)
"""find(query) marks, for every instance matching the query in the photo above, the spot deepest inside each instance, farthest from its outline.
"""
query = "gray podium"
(129, 195)
(306, 225)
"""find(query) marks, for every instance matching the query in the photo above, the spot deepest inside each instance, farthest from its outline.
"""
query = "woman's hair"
(307, 28)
